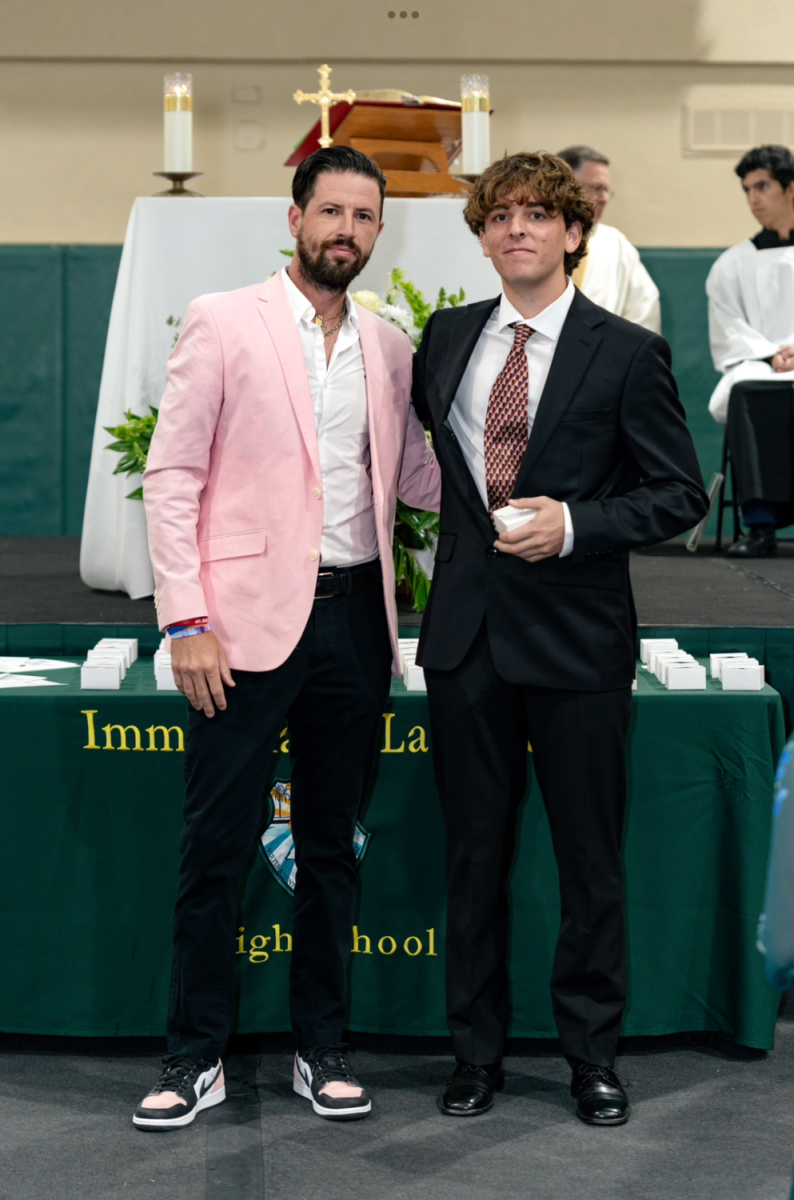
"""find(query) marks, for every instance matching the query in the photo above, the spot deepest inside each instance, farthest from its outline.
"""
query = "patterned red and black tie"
(506, 422)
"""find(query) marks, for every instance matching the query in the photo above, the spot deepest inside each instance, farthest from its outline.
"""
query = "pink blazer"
(232, 489)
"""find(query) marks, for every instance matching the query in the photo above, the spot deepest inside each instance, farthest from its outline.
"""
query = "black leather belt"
(342, 581)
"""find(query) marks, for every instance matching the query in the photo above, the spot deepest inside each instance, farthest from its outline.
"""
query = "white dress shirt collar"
(549, 322)
(303, 308)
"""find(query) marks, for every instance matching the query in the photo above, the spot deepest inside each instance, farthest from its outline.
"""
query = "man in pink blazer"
(285, 435)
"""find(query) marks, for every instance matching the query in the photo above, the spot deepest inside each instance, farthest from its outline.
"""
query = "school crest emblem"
(277, 843)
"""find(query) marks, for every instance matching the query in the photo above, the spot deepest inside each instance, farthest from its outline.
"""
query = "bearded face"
(330, 265)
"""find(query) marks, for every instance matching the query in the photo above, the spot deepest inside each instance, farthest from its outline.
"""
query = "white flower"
(399, 317)
(369, 300)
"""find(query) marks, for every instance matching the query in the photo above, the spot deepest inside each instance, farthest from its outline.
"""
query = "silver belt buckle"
(324, 575)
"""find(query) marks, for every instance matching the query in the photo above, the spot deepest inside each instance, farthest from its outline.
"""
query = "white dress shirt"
(470, 406)
(339, 399)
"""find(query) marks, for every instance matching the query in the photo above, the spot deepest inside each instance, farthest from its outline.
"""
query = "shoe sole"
(336, 1114)
(208, 1101)
(605, 1120)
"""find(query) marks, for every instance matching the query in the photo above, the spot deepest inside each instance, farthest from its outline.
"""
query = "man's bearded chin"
(325, 273)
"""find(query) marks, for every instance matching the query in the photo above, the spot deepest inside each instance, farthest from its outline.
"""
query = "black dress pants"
(761, 438)
(332, 691)
(480, 726)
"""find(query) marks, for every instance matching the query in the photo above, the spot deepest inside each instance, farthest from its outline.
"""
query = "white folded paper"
(742, 676)
(34, 664)
(23, 681)
(648, 644)
(98, 674)
(507, 519)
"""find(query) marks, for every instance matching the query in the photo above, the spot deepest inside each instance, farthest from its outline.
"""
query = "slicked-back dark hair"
(576, 155)
(336, 159)
(777, 160)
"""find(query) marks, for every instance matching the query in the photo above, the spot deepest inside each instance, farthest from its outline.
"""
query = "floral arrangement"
(415, 532)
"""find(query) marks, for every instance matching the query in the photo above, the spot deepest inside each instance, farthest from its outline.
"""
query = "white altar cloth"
(176, 250)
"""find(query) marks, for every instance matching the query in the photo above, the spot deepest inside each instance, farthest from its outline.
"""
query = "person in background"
(285, 435)
(611, 274)
(750, 292)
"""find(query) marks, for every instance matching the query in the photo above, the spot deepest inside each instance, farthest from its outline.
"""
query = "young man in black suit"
(541, 398)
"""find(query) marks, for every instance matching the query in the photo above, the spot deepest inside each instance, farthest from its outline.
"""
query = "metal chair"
(724, 501)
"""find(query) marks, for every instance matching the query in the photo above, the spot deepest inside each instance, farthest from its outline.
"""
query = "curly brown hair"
(543, 178)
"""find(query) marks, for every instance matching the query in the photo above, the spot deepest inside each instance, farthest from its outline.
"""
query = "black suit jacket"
(610, 439)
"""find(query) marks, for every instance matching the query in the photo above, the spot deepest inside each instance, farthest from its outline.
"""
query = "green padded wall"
(680, 276)
(54, 311)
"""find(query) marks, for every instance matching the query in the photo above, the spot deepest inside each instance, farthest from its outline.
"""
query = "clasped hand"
(540, 538)
(200, 671)
(784, 359)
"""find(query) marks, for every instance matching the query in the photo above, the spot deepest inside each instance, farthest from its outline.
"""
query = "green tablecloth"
(88, 854)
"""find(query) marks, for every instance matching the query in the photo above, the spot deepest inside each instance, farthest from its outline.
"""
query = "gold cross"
(326, 99)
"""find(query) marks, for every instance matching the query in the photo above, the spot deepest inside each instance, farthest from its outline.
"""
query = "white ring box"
(113, 648)
(686, 677)
(667, 664)
(414, 678)
(129, 645)
(108, 655)
(507, 518)
(648, 644)
(101, 675)
(659, 657)
(163, 675)
(742, 676)
(716, 659)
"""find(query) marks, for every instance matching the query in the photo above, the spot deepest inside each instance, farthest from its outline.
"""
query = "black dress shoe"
(599, 1095)
(758, 541)
(471, 1089)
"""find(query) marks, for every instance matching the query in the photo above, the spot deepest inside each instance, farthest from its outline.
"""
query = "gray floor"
(40, 582)
(707, 1124)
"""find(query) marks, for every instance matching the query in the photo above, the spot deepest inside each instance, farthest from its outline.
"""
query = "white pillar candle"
(178, 121)
(475, 123)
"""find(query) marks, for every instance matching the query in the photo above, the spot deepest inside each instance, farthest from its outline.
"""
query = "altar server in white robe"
(750, 290)
(611, 274)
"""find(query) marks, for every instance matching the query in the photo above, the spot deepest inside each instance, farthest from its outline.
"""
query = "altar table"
(177, 249)
(89, 850)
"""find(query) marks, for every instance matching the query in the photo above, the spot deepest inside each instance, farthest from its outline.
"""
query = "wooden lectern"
(412, 143)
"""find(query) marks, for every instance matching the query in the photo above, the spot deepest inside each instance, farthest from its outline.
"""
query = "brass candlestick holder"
(178, 180)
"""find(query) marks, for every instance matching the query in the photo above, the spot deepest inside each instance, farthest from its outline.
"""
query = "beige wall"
(80, 134)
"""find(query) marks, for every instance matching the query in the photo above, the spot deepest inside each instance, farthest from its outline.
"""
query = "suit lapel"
(578, 343)
(275, 310)
(462, 337)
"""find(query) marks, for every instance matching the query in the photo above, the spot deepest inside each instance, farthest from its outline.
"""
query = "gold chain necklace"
(321, 322)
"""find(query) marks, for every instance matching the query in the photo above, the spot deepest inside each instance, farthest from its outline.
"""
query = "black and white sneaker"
(185, 1086)
(323, 1075)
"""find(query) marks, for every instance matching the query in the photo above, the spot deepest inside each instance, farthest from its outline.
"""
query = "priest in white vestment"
(611, 274)
(750, 291)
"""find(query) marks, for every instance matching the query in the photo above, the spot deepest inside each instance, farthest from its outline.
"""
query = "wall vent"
(715, 131)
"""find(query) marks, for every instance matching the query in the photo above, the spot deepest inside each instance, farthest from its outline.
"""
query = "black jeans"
(480, 725)
(332, 691)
